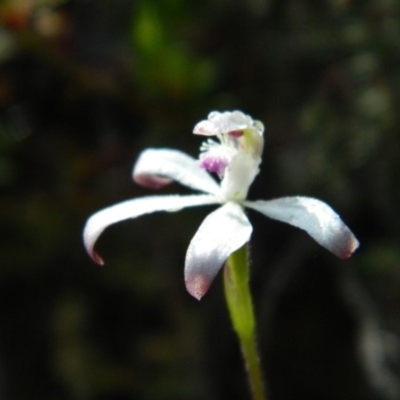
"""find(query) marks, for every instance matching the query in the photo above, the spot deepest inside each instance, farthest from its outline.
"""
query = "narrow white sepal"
(158, 167)
(313, 216)
(221, 233)
(96, 224)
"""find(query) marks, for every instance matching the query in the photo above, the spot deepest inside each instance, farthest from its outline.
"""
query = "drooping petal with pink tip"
(158, 167)
(313, 216)
(221, 233)
(135, 208)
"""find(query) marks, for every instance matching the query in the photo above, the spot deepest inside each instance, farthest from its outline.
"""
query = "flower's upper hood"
(237, 155)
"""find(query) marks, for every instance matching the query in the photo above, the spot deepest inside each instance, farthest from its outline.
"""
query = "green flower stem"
(240, 305)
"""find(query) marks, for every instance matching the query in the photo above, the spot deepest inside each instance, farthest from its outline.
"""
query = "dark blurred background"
(85, 85)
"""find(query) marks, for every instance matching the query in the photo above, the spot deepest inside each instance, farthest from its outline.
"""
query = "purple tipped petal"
(158, 167)
(135, 208)
(221, 233)
(198, 285)
(313, 216)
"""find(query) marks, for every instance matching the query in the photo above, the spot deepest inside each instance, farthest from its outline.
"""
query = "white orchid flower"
(235, 159)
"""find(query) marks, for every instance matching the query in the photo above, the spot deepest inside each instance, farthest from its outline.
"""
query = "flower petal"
(239, 176)
(158, 167)
(135, 208)
(218, 123)
(221, 233)
(313, 216)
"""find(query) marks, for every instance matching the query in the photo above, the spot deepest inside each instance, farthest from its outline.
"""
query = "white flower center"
(237, 155)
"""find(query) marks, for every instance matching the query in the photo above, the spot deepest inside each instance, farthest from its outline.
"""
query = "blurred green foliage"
(165, 65)
(85, 86)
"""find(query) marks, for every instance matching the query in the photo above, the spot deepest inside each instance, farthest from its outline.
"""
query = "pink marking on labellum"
(236, 134)
(212, 164)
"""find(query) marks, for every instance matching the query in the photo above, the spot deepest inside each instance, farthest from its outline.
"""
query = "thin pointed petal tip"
(352, 246)
(89, 246)
(96, 258)
(198, 286)
(91, 232)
